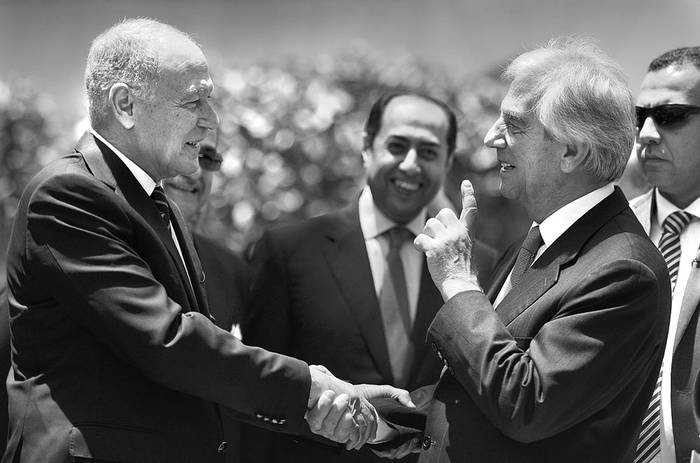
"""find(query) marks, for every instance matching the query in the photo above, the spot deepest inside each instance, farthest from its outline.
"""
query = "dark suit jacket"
(314, 298)
(114, 354)
(564, 368)
(685, 366)
(227, 280)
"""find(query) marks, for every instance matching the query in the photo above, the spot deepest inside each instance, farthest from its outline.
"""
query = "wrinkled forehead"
(182, 62)
(517, 102)
(670, 85)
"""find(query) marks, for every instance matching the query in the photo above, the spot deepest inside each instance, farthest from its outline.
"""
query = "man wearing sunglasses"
(668, 149)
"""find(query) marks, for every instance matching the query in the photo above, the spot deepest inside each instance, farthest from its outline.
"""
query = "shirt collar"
(373, 222)
(664, 208)
(563, 218)
(145, 180)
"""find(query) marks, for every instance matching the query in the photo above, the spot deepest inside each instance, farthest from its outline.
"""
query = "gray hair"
(580, 95)
(124, 53)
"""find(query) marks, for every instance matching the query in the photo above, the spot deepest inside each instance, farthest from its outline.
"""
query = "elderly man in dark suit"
(114, 354)
(668, 149)
(226, 275)
(556, 361)
(348, 289)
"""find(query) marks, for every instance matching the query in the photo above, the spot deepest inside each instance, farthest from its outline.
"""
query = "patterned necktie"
(393, 303)
(649, 442)
(161, 202)
(527, 254)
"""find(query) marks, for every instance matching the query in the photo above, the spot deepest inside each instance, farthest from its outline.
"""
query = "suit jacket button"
(427, 442)
(222, 447)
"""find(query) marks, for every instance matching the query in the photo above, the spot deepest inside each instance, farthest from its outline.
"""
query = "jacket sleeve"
(606, 331)
(82, 240)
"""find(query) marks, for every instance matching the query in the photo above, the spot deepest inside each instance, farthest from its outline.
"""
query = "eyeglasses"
(666, 115)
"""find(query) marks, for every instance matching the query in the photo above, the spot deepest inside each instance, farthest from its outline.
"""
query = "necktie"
(161, 202)
(649, 442)
(527, 254)
(393, 303)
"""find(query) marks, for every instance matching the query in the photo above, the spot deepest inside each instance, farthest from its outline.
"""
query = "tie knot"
(533, 240)
(676, 222)
(398, 236)
(161, 202)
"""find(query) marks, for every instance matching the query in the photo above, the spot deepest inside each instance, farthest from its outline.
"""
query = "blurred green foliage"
(27, 141)
(291, 135)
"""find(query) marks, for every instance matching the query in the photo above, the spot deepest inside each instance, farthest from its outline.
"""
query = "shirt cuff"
(385, 432)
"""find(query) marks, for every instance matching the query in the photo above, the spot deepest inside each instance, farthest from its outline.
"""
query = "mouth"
(505, 167)
(193, 145)
(187, 188)
(406, 186)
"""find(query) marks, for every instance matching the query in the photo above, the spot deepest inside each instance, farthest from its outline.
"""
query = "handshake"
(341, 412)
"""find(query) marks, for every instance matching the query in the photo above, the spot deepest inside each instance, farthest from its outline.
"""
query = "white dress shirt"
(558, 222)
(373, 224)
(690, 241)
(146, 182)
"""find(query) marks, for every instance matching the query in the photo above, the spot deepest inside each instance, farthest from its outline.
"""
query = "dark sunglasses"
(666, 115)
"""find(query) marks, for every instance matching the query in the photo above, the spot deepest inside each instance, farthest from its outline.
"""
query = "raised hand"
(447, 246)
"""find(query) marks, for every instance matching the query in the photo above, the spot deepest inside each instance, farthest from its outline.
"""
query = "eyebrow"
(198, 91)
(509, 116)
(420, 142)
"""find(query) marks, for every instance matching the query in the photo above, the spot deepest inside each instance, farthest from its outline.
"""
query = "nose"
(494, 137)
(648, 133)
(409, 163)
(209, 119)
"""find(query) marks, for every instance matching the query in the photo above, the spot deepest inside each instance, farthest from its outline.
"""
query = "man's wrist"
(453, 286)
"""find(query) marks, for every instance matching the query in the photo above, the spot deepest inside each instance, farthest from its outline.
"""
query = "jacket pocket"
(116, 443)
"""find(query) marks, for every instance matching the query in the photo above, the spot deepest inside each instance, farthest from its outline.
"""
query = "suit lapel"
(502, 269)
(544, 273)
(643, 208)
(108, 168)
(346, 254)
(195, 292)
(429, 302)
(691, 300)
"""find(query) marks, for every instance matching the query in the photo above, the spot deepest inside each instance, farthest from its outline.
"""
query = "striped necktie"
(526, 255)
(161, 202)
(649, 443)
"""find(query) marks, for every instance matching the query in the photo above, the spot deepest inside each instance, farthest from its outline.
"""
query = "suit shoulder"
(306, 230)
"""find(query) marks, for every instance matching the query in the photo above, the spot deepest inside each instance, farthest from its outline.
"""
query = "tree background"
(291, 136)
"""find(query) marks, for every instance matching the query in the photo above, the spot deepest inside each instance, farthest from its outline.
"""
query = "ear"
(121, 103)
(574, 156)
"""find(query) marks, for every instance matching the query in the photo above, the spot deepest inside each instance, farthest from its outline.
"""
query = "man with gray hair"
(556, 361)
(115, 356)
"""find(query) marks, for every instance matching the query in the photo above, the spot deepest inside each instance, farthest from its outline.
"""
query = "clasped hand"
(341, 412)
